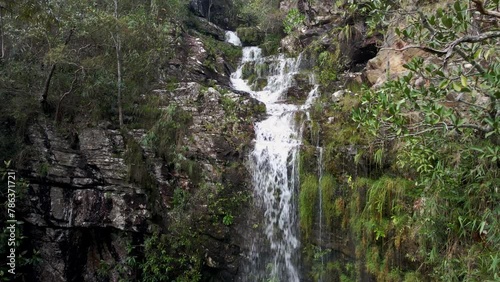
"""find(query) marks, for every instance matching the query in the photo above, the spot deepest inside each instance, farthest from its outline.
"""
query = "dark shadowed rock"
(220, 12)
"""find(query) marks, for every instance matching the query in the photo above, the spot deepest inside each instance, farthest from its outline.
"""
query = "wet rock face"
(299, 90)
(219, 139)
(207, 28)
(222, 120)
(219, 12)
(78, 199)
(85, 187)
(192, 63)
(82, 209)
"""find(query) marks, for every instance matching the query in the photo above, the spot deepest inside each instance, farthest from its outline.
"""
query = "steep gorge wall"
(96, 193)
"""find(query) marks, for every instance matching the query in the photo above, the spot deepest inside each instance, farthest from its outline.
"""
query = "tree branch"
(451, 47)
(477, 66)
(480, 8)
(470, 39)
(57, 118)
(45, 92)
(436, 127)
(423, 48)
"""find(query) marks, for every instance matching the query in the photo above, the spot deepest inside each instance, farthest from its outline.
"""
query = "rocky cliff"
(95, 191)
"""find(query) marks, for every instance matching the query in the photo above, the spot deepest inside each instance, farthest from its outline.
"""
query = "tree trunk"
(45, 92)
(1, 32)
(209, 8)
(118, 68)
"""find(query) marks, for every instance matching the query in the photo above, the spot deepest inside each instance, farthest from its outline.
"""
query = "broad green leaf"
(477, 54)
(447, 22)
(440, 73)
(463, 79)
(456, 86)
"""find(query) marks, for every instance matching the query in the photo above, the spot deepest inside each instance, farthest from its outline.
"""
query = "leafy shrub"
(293, 20)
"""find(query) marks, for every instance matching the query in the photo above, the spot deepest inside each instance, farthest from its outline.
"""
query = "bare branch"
(427, 25)
(436, 127)
(423, 48)
(470, 39)
(451, 47)
(480, 8)
(58, 109)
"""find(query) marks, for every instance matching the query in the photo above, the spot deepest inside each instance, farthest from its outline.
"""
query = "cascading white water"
(232, 38)
(274, 166)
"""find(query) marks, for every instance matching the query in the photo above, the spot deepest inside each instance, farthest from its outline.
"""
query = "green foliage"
(171, 258)
(328, 66)
(180, 199)
(293, 20)
(166, 135)
(308, 198)
(265, 14)
(271, 44)
(447, 133)
(377, 12)
(332, 203)
(77, 38)
(227, 219)
(137, 167)
(381, 221)
(223, 202)
(216, 48)
(17, 111)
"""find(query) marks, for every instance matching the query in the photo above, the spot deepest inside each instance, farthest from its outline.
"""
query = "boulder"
(205, 27)
(250, 36)
(291, 45)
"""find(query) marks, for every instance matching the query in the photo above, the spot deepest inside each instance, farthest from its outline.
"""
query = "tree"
(444, 116)
(118, 47)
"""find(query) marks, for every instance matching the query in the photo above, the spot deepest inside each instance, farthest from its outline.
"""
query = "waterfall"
(275, 256)
(232, 38)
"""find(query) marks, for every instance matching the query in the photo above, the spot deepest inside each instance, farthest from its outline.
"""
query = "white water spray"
(232, 38)
(274, 167)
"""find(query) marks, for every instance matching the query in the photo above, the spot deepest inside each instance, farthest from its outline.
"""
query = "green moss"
(252, 78)
(228, 104)
(250, 35)
(166, 134)
(378, 214)
(216, 48)
(259, 84)
(137, 165)
(259, 108)
(308, 198)
(262, 69)
(247, 70)
(271, 44)
(329, 203)
(308, 162)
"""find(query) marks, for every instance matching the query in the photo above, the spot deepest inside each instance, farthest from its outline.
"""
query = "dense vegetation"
(422, 201)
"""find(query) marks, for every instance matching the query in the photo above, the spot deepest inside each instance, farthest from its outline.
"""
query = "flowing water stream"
(275, 255)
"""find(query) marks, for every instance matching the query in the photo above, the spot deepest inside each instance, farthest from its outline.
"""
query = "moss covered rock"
(250, 36)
